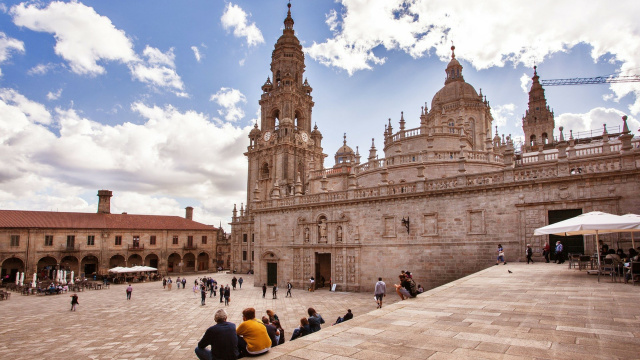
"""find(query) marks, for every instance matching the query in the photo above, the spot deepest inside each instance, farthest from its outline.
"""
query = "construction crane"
(592, 80)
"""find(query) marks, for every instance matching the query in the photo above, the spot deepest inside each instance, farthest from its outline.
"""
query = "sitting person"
(633, 254)
(280, 337)
(314, 320)
(301, 331)
(347, 316)
(621, 254)
(253, 338)
(420, 289)
(274, 334)
(221, 337)
(406, 288)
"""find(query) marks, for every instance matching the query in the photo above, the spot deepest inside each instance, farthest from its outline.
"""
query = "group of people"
(528, 252)
(407, 287)
(251, 338)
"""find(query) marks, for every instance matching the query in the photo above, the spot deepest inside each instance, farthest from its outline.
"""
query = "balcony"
(69, 248)
(136, 247)
(190, 246)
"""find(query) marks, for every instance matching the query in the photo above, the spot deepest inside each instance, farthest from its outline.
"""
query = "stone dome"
(255, 132)
(454, 91)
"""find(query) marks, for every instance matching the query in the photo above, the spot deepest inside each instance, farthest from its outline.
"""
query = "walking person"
(178, 282)
(227, 295)
(275, 291)
(212, 289)
(184, 282)
(559, 252)
(234, 281)
(240, 281)
(129, 291)
(312, 286)
(74, 301)
(203, 295)
(380, 292)
(264, 290)
(169, 283)
(221, 293)
(529, 253)
(289, 287)
(545, 252)
(164, 283)
(501, 256)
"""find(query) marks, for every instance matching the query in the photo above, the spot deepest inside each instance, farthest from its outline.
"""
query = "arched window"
(532, 140)
(545, 139)
(451, 124)
(264, 171)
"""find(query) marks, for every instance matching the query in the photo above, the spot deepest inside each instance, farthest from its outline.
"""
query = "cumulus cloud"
(486, 33)
(525, 83)
(230, 100)
(83, 37)
(41, 69)
(8, 46)
(54, 95)
(594, 120)
(171, 153)
(502, 114)
(196, 53)
(235, 19)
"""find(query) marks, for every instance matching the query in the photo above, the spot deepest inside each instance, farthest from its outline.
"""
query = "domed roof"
(255, 132)
(345, 149)
(315, 131)
(455, 87)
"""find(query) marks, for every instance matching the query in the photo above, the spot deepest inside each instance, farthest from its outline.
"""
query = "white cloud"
(83, 37)
(525, 83)
(157, 57)
(486, 33)
(171, 154)
(234, 18)
(229, 99)
(158, 70)
(7, 46)
(502, 114)
(196, 53)
(594, 119)
(54, 95)
(41, 69)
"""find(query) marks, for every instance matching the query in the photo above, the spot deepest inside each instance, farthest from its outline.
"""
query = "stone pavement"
(154, 324)
(542, 311)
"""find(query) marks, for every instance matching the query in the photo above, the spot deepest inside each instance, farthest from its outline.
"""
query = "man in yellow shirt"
(253, 338)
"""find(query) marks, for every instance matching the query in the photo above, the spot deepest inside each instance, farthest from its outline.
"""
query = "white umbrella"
(22, 279)
(72, 274)
(18, 278)
(116, 269)
(592, 223)
(35, 278)
(632, 216)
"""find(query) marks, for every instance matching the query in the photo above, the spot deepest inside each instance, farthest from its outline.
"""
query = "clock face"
(305, 137)
(267, 136)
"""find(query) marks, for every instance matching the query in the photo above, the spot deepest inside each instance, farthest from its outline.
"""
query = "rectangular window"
(91, 240)
(175, 239)
(15, 240)
(48, 240)
(190, 241)
(252, 255)
(244, 238)
(136, 241)
(244, 255)
(118, 240)
(71, 241)
(204, 240)
(253, 237)
(152, 240)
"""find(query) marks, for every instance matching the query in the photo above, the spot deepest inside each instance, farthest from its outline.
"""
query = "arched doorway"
(45, 267)
(189, 261)
(151, 260)
(134, 260)
(203, 261)
(173, 263)
(11, 267)
(89, 265)
(270, 261)
(117, 260)
(70, 263)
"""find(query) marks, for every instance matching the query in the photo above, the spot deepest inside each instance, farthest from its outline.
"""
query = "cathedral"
(436, 200)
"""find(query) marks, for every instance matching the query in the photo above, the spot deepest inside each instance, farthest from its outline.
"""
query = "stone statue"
(322, 228)
(306, 234)
(339, 234)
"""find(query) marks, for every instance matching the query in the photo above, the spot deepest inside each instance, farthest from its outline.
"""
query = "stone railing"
(549, 169)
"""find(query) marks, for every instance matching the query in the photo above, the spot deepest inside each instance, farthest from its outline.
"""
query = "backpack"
(413, 290)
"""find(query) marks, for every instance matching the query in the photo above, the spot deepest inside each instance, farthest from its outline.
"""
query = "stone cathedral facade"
(436, 200)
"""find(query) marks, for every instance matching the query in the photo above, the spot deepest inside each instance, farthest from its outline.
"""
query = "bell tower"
(284, 149)
(538, 123)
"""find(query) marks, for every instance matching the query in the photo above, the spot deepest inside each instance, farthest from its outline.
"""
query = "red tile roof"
(68, 220)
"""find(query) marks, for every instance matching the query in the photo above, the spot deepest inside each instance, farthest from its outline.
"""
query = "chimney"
(189, 213)
(104, 201)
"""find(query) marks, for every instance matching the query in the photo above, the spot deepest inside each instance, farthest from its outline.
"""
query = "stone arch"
(89, 264)
(274, 118)
(189, 262)
(269, 255)
(264, 170)
(45, 267)
(70, 263)
(203, 261)
(12, 266)
(532, 140)
(173, 262)
(134, 260)
(152, 260)
(298, 120)
(544, 138)
(117, 260)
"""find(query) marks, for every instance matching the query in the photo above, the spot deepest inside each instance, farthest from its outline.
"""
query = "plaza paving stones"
(540, 311)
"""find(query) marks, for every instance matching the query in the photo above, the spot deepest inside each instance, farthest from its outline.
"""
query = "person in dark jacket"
(314, 320)
(301, 331)
(271, 330)
(221, 337)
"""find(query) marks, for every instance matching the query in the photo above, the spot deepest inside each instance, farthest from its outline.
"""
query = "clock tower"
(284, 149)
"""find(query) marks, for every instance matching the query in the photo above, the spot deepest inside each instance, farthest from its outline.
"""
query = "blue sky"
(154, 99)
